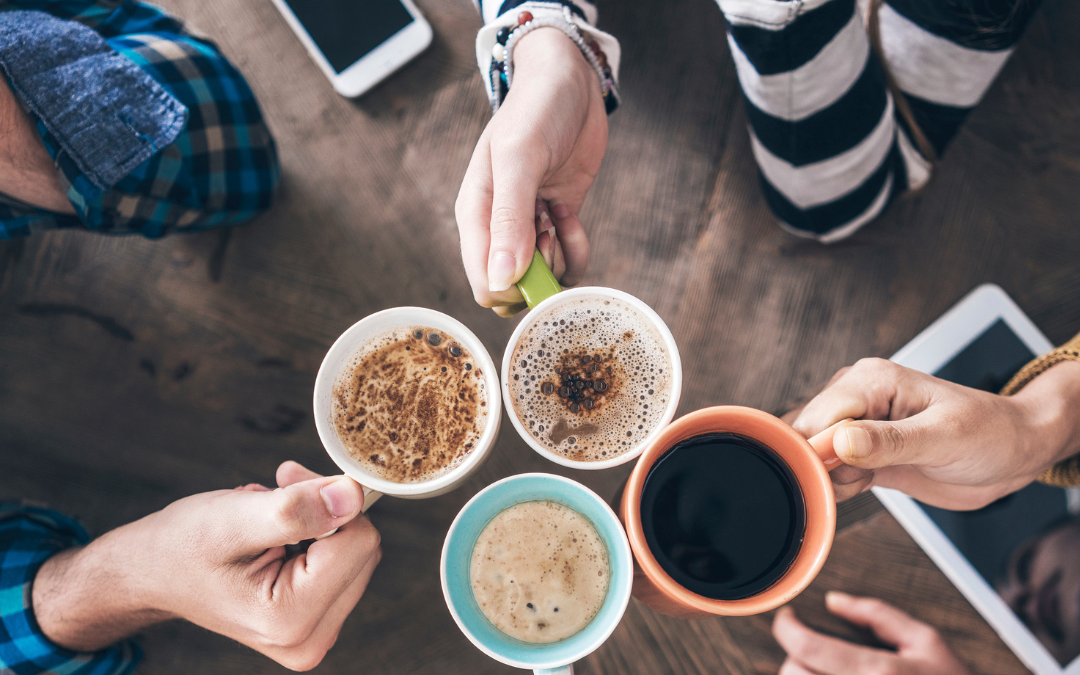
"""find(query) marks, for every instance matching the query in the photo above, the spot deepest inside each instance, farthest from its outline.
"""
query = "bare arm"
(26, 170)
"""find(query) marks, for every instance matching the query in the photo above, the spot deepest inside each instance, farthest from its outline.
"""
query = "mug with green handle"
(543, 295)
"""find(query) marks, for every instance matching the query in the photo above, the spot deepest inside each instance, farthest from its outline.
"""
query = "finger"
(507, 311)
(253, 487)
(873, 445)
(574, 241)
(291, 472)
(888, 623)
(846, 492)
(326, 632)
(790, 416)
(473, 213)
(329, 566)
(515, 181)
(849, 481)
(792, 667)
(823, 653)
(871, 389)
(289, 515)
(324, 611)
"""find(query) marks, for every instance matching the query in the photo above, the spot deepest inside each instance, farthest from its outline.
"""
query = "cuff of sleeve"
(1065, 473)
(486, 39)
(28, 537)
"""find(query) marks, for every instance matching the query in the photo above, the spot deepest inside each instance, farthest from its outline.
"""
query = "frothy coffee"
(590, 379)
(410, 404)
(539, 572)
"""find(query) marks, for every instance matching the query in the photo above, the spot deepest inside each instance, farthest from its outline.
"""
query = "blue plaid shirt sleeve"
(28, 536)
(219, 164)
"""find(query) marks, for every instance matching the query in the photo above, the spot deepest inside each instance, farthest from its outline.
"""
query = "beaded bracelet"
(502, 64)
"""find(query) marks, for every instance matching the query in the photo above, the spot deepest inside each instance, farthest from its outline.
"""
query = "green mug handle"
(539, 283)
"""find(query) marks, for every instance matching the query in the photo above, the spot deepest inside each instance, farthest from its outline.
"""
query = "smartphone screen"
(346, 30)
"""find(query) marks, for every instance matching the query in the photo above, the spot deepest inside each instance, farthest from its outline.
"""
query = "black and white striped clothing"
(832, 149)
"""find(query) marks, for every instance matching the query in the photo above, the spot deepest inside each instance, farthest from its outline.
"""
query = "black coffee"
(723, 515)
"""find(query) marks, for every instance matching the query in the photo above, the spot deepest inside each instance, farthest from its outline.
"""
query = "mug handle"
(822, 444)
(561, 670)
(370, 497)
(538, 284)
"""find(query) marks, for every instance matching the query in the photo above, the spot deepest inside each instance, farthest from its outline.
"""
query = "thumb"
(513, 224)
(294, 513)
(873, 445)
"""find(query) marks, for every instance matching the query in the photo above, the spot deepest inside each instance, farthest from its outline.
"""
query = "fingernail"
(340, 498)
(545, 222)
(835, 598)
(560, 211)
(858, 442)
(501, 269)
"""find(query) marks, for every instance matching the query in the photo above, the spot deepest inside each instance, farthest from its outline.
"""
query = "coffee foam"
(621, 397)
(409, 410)
(539, 572)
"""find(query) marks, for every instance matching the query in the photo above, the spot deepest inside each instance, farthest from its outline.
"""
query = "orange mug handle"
(822, 444)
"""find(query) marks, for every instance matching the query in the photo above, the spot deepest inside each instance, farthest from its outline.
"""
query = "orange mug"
(809, 461)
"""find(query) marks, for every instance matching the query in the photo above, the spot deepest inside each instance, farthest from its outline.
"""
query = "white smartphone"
(357, 43)
(981, 342)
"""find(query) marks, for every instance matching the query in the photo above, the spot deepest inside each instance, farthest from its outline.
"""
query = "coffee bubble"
(590, 379)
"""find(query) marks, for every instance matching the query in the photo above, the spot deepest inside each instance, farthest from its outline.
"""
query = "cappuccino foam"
(590, 379)
(410, 404)
(539, 572)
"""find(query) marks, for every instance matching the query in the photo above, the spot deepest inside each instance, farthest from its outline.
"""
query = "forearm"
(88, 598)
(1051, 405)
(26, 170)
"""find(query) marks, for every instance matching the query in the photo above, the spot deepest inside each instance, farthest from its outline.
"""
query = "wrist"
(548, 53)
(88, 598)
(1049, 404)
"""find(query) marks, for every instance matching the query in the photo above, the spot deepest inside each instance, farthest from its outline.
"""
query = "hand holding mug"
(949, 446)
(219, 560)
(919, 648)
(546, 140)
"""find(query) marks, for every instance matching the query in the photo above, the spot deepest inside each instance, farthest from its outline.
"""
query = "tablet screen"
(1026, 545)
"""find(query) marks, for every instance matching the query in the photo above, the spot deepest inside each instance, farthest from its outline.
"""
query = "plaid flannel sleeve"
(28, 536)
(221, 168)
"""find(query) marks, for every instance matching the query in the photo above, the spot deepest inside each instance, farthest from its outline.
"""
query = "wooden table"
(137, 372)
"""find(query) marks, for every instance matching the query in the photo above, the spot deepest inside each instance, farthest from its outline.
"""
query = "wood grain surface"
(136, 372)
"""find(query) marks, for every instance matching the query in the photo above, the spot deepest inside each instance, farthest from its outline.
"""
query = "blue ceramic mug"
(554, 658)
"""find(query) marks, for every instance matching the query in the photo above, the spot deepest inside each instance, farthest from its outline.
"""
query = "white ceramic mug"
(356, 338)
(541, 310)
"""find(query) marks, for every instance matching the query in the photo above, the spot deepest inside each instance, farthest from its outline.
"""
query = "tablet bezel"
(931, 349)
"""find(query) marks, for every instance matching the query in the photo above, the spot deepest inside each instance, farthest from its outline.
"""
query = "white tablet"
(1018, 559)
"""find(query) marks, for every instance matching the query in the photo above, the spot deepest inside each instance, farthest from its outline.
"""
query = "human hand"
(546, 141)
(218, 559)
(919, 648)
(946, 445)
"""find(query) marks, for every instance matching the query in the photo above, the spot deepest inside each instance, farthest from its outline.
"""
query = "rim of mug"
(354, 338)
(811, 561)
(624, 593)
(657, 323)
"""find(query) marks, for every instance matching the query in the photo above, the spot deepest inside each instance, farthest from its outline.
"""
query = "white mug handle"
(568, 669)
(370, 497)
